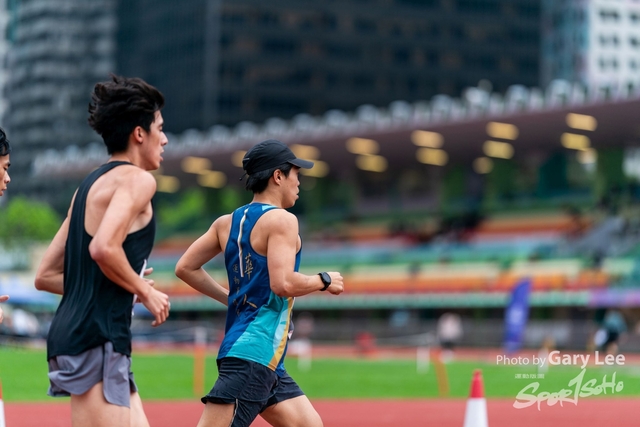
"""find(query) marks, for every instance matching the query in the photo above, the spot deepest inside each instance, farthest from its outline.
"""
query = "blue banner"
(516, 316)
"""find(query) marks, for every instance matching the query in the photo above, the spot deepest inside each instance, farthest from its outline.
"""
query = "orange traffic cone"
(476, 414)
(2, 422)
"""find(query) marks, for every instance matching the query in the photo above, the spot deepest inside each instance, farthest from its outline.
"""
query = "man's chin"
(154, 167)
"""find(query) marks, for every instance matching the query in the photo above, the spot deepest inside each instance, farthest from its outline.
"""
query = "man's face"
(154, 142)
(291, 185)
(5, 162)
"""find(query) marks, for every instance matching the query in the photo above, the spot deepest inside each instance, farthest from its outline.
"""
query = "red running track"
(618, 412)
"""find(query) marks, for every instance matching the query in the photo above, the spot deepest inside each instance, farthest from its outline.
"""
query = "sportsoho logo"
(577, 387)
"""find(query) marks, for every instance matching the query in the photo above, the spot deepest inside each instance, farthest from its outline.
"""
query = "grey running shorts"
(251, 386)
(77, 374)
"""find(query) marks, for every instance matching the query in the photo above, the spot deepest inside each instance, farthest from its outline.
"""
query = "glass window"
(229, 103)
(479, 6)
(282, 106)
(343, 51)
(528, 9)
(364, 26)
(420, 3)
(269, 19)
(232, 17)
(401, 56)
(363, 81)
(608, 15)
(279, 46)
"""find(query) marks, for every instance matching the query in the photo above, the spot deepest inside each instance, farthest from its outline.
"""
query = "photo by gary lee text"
(557, 358)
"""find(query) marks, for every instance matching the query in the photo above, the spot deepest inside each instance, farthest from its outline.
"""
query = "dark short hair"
(5, 147)
(121, 104)
(258, 181)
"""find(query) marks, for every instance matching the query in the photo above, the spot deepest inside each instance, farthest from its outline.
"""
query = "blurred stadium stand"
(440, 249)
(491, 258)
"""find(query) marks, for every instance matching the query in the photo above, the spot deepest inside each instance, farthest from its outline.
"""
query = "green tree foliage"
(189, 208)
(24, 220)
(232, 198)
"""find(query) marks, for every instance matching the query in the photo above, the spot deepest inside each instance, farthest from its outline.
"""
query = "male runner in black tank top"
(5, 162)
(95, 259)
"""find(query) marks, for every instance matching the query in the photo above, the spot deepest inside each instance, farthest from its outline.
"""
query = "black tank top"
(93, 309)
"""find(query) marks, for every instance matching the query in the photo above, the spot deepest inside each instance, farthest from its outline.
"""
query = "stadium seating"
(493, 257)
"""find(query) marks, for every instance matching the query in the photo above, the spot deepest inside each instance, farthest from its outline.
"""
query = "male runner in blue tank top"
(261, 249)
(5, 162)
(95, 259)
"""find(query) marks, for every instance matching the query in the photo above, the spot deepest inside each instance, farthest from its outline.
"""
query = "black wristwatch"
(326, 279)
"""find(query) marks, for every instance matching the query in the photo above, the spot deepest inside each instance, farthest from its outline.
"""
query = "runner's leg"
(138, 417)
(92, 410)
(217, 415)
(295, 412)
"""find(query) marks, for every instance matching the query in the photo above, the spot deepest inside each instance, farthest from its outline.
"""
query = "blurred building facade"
(223, 62)
(591, 42)
(58, 49)
(4, 49)
(173, 45)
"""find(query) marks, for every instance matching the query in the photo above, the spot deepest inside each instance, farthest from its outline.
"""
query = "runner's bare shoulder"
(279, 220)
(222, 223)
(136, 180)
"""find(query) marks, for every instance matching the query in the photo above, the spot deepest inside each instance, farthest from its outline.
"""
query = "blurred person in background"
(21, 323)
(449, 333)
(261, 248)
(5, 162)
(3, 298)
(97, 259)
(612, 328)
(547, 347)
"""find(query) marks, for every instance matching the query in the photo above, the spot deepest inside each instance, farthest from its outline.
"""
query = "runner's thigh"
(296, 412)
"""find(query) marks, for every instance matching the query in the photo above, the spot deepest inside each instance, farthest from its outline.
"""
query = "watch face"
(326, 279)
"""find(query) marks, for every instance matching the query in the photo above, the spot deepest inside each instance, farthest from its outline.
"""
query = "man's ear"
(137, 134)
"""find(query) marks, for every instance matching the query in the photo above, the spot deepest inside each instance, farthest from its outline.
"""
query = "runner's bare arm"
(49, 276)
(130, 199)
(282, 240)
(189, 268)
(50, 271)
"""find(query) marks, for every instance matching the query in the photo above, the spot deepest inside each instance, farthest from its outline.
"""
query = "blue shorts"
(251, 386)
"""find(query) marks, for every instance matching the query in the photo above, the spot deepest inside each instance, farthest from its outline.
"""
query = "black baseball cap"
(269, 154)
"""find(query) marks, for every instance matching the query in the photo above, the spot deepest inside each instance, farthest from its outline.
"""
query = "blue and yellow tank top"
(258, 322)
